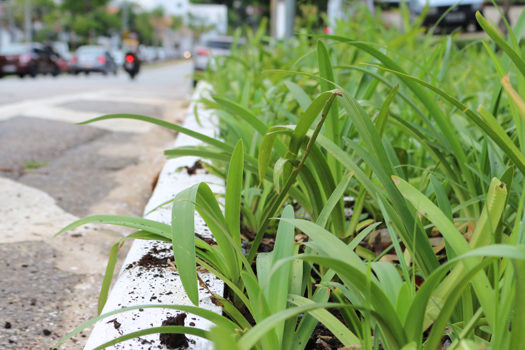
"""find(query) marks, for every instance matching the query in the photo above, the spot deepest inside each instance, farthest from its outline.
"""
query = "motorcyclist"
(132, 58)
(131, 64)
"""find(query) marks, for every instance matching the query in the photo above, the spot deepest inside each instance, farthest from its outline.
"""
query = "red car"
(30, 59)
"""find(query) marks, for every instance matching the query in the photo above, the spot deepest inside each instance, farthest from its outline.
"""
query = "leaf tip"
(396, 179)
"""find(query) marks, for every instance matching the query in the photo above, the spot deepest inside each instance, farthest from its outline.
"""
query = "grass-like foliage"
(422, 137)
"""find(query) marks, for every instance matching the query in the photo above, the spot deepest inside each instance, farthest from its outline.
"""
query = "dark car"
(451, 13)
(93, 59)
(30, 59)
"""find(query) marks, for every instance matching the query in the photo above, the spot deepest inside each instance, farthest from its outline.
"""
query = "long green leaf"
(302, 98)
(206, 139)
(308, 118)
(126, 221)
(514, 56)
(484, 120)
(204, 313)
(112, 262)
(326, 72)
(336, 196)
(253, 335)
(183, 233)
(242, 112)
(154, 330)
(232, 205)
(338, 329)
(456, 242)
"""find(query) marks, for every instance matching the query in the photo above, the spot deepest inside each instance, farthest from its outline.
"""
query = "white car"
(212, 47)
(118, 56)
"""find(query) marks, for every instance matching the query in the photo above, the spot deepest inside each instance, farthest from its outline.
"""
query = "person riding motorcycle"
(131, 64)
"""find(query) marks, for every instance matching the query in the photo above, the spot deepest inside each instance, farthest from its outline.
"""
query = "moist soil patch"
(192, 170)
(116, 323)
(172, 340)
(154, 258)
(208, 240)
(323, 339)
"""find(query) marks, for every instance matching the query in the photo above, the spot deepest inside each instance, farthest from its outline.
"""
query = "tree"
(82, 6)
(241, 12)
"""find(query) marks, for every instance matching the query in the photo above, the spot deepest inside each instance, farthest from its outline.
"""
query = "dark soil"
(323, 339)
(208, 240)
(192, 170)
(267, 244)
(116, 323)
(152, 259)
(171, 340)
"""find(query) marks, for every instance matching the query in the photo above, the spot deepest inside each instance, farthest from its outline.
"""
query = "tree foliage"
(83, 6)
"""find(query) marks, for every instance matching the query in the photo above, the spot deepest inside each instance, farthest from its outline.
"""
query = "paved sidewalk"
(53, 172)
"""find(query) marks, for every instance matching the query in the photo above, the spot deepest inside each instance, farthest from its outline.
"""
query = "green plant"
(389, 121)
(33, 165)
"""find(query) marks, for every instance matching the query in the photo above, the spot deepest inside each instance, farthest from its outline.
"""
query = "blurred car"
(171, 53)
(161, 54)
(30, 59)
(457, 13)
(95, 59)
(118, 57)
(62, 49)
(212, 47)
(209, 48)
(149, 54)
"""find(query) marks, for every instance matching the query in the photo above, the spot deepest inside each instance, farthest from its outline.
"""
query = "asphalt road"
(152, 81)
(53, 172)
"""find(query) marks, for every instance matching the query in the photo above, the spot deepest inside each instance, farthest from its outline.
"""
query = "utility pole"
(278, 19)
(273, 18)
(290, 18)
(2, 11)
(125, 20)
(334, 12)
(28, 30)
(11, 19)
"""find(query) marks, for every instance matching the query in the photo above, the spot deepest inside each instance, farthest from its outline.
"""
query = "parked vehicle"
(118, 57)
(62, 49)
(457, 13)
(95, 59)
(209, 48)
(131, 64)
(148, 54)
(30, 59)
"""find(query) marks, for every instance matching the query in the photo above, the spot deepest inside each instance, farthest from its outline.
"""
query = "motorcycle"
(131, 65)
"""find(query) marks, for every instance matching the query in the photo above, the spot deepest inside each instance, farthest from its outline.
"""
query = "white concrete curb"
(137, 285)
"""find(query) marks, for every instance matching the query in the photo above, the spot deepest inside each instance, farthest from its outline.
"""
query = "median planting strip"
(148, 275)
